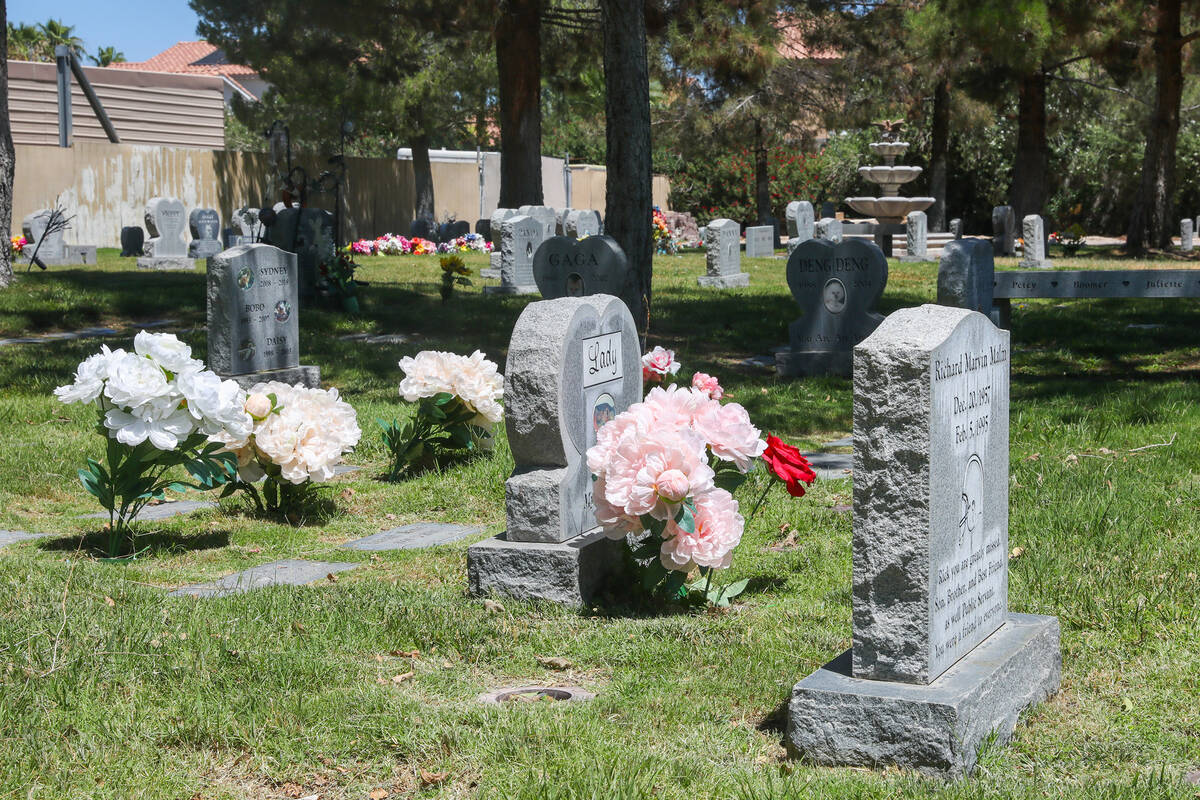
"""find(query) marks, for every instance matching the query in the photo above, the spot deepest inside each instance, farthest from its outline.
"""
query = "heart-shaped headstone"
(836, 286)
(166, 222)
(566, 267)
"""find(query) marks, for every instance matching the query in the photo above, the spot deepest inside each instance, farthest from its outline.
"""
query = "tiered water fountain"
(889, 209)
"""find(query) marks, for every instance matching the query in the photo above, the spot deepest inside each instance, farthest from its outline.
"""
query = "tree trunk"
(939, 156)
(1028, 194)
(7, 155)
(519, 64)
(627, 214)
(423, 206)
(1152, 215)
(762, 176)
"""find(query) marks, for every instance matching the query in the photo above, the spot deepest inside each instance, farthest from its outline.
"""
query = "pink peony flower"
(706, 383)
(719, 528)
(659, 363)
(730, 434)
(672, 485)
(258, 405)
(638, 464)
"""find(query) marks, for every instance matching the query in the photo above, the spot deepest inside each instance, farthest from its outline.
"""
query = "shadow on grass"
(149, 544)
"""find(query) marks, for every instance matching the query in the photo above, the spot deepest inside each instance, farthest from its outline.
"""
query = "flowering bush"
(658, 365)
(669, 465)
(158, 408)
(458, 402)
(665, 242)
(17, 244)
(298, 436)
(1071, 239)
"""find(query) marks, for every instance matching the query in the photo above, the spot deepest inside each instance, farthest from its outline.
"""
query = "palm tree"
(57, 32)
(107, 55)
(26, 42)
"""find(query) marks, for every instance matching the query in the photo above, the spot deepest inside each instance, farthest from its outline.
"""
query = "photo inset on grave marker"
(834, 296)
(575, 287)
(245, 278)
(283, 311)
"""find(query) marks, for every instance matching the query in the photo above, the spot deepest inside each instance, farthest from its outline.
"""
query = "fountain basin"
(887, 210)
(888, 149)
(889, 178)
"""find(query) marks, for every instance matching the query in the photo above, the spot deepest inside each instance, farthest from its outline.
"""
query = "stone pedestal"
(936, 728)
(570, 572)
(724, 281)
(167, 263)
(801, 364)
(308, 377)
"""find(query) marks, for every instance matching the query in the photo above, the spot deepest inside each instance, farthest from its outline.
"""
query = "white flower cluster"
(305, 434)
(158, 393)
(473, 379)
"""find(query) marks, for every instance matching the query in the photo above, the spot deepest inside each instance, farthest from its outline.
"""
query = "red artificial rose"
(788, 465)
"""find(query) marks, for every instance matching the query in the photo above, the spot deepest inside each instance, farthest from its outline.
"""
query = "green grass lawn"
(110, 689)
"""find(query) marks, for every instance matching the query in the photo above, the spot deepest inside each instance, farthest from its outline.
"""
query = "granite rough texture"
(498, 218)
(520, 237)
(569, 573)
(549, 406)
(414, 537)
(930, 528)
(800, 221)
(307, 376)
(288, 572)
(956, 228)
(828, 229)
(735, 281)
(916, 237)
(723, 254)
(837, 720)
(567, 267)
(966, 275)
(167, 263)
(1186, 235)
(1033, 249)
(546, 216)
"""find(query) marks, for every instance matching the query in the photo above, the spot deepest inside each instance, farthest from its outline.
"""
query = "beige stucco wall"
(105, 187)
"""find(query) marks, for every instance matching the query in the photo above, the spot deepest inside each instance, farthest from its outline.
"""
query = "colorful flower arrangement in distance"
(391, 245)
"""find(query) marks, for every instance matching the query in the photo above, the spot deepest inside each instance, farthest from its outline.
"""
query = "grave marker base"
(510, 289)
(734, 281)
(837, 720)
(569, 573)
(308, 377)
(167, 263)
(803, 363)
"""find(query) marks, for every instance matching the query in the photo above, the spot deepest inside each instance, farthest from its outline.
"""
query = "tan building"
(148, 108)
(202, 58)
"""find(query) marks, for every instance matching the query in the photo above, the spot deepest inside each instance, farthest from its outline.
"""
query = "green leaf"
(652, 574)
(673, 587)
(729, 480)
(727, 593)
(685, 518)
(648, 549)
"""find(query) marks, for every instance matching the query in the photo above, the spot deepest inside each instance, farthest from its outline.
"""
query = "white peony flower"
(134, 380)
(473, 379)
(166, 350)
(164, 432)
(90, 376)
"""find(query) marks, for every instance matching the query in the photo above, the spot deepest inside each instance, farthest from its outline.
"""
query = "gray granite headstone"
(956, 228)
(414, 537)
(484, 228)
(253, 316)
(1033, 253)
(520, 237)
(581, 222)
(288, 572)
(723, 246)
(567, 267)
(836, 286)
(166, 223)
(205, 225)
(916, 244)
(132, 240)
(33, 227)
(499, 217)
(307, 232)
(828, 229)
(966, 274)
(937, 663)
(573, 365)
(760, 241)
(546, 217)
(1004, 231)
(800, 222)
(1186, 234)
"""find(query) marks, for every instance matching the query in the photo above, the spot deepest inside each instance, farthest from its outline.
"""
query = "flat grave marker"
(287, 572)
(415, 536)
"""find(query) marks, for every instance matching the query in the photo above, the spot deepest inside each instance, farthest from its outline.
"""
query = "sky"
(138, 28)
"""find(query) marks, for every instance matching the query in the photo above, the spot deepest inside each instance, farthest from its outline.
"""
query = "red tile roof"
(197, 58)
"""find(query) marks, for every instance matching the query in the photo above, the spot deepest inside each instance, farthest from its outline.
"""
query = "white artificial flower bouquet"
(297, 437)
(158, 408)
(458, 401)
